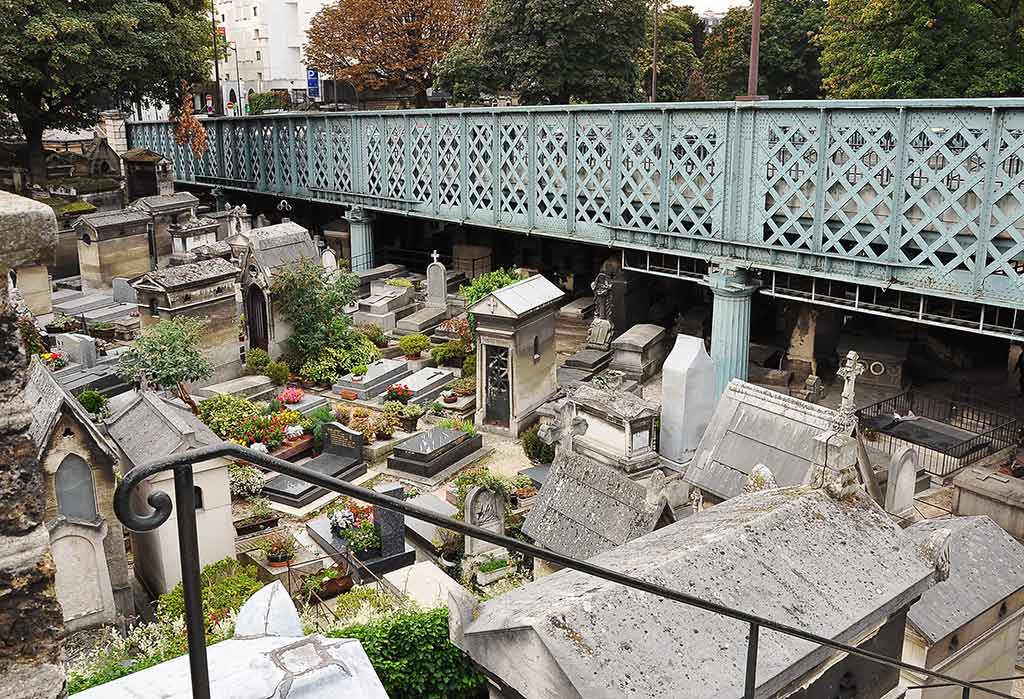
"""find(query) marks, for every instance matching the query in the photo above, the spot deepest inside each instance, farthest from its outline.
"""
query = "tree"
(555, 52)
(922, 48)
(677, 59)
(388, 44)
(788, 67)
(168, 355)
(62, 62)
(260, 102)
(312, 299)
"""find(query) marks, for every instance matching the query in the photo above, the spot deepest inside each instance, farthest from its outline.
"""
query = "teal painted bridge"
(906, 208)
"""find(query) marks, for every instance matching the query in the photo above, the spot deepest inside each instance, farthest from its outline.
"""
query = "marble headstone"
(688, 400)
(329, 260)
(485, 509)
(899, 490)
(123, 291)
(390, 524)
(437, 284)
(79, 349)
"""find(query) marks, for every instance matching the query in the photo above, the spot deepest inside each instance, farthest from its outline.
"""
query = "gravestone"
(329, 260)
(639, 352)
(79, 349)
(384, 307)
(429, 453)
(123, 291)
(435, 309)
(484, 509)
(899, 490)
(687, 398)
(426, 384)
(437, 286)
(341, 458)
(599, 336)
(379, 375)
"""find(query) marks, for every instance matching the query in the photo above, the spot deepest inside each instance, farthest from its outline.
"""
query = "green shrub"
(412, 410)
(485, 284)
(244, 481)
(469, 366)
(392, 408)
(373, 333)
(535, 449)
(226, 586)
(222, 414)
(256, 360)
(384, 426)
(436, 408)
(93, 401)
(492, 564)
(260, 102)
(338, 361)
(359, 370)
(277, 372)
(413, 345)
(461, 425)
(451, 353)
(399, 282)
(314, 422)
(413, 657)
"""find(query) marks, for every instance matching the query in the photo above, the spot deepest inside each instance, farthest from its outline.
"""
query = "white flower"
(342, 519)
(293, 431)
(260, 447)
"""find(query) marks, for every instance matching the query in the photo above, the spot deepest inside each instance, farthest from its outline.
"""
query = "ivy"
(485, 284)
(413, 657)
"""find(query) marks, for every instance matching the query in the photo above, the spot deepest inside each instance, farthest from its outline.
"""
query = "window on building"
(223, 18)
(259, 76)
(198, 496)
(256, 33)
(255, 11)
(227, 76)
(536, 348)
(258, 56)
(76, 494)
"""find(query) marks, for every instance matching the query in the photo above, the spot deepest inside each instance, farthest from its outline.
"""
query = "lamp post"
(654, 55)
(218, 104)
(238, 81)
(755, 46)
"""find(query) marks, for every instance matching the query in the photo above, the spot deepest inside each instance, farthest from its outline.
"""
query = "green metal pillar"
(730, 324)
(360, 226)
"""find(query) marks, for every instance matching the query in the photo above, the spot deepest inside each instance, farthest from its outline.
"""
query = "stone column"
(361, 238)
(31, 620)
(730, 324)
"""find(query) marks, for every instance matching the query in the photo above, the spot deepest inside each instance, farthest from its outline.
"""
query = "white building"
(266, 39)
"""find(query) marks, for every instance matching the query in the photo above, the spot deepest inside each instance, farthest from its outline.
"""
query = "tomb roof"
(622, 404)
(281, 245)
(141, 155)
(46, 400)
(185, 275)
(794, 555)
(150, 427)
(162, 202)
(986, 565)
(105, 219)
(586, 507)
(519, 298)
(754, 425)
(193, 223)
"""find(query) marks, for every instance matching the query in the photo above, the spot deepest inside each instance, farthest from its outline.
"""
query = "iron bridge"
(923, 198)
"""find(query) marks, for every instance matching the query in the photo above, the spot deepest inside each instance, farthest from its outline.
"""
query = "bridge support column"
(360, 227)
(730, 324)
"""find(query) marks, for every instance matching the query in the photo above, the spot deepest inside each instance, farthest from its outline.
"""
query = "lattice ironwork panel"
(321, 156)
(229, 150)
(421, 152)
(943, 185)
(301, 147)
(207, 164)
(696, 161)
(269, 181)
(786, 165)
(640, 170)
(254, 134)
(514, 169)
(861, 180)
(1003, 273)
(552, 192)
(286, 155)
(449, 157)
(341, 155)
(395, 157)
(479, 159)
(372, 159)
(593, 167)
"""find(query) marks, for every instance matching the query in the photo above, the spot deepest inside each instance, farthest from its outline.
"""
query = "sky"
(712, 5)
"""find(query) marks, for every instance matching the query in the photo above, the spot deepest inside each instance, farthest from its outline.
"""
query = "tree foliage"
(677, 59)
(922, 48)
(313, 299)
(260, 102)
(789, 55)
(168, 355)
(62, 62)
(388, 44)
(557, 52)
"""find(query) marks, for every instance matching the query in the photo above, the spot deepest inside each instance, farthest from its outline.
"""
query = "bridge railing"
(926, 195)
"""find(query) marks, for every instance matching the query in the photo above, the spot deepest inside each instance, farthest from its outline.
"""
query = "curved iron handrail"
(181, 465)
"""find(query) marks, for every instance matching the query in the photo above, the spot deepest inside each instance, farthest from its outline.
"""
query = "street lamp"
(218, 104)
(238, 80)
(755, 45)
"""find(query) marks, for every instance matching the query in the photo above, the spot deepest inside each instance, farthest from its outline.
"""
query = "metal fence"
(181, 466)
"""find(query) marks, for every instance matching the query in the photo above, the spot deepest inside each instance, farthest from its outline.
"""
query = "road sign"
(230, 105)
(312, 82)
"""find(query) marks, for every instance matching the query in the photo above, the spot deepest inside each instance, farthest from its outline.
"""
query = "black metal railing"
(985, 430)
(184, 493)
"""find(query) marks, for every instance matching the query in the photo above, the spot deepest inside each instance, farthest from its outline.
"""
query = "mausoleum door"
(256, 318)
(498, 386)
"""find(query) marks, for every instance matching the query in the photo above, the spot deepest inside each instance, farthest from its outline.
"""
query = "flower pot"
(408, 424)
(492, 576)
(451, 399)
(244, 527)
(276, 562)
(357, 379)
(335, 586)
(412, 357)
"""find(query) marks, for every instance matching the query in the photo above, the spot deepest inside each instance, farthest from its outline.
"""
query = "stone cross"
(434, 256)
(845, 418)
(561, 432)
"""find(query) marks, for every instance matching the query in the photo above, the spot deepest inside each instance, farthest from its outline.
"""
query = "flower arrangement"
(293, 431)
(399, 392)
(266, 429)
(54, 360)
(354, 523)
(289, 417)
(291, 395)
(279, 549)
(244, 480)
(260, 447)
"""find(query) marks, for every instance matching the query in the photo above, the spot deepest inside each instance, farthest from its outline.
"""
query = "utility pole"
(654, 55)
(755, 46)
(218, 103)
(238, 81)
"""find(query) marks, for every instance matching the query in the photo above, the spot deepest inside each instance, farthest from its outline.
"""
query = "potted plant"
(355, 525)
(449, 397)
(328, 583)
(410, 417)
(398, 392)
(449, 547)
(280, 550)
(464, 387)
(413, 345)
(358, 372)
(260, 517)
(291, 395)
(492, 570)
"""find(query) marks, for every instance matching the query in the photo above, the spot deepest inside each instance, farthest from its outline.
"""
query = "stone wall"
(102, 260)
(31, 628)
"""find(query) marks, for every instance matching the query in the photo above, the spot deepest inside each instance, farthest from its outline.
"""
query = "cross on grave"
(845, 418)
(434, 256)
(566, 426)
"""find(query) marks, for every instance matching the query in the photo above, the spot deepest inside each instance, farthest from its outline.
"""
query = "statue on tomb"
(599, 335)
(846, 416)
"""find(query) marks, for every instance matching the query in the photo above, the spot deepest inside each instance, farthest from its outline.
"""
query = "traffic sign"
(312, 82)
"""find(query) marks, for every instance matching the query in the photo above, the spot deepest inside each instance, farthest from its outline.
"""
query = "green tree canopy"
(922, 48)
(677, 59)
(788, 66)
(260, 102)
(62, 62)
(313, 301)
(557, 52)
(168, 355)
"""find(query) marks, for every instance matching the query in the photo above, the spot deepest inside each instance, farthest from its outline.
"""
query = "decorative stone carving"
(485, 509)
(599, 336)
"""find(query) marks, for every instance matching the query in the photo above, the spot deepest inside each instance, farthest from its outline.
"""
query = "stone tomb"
(688, 398)
(428, 453)
(426, 384)
(640, 351)
(379, 375)
(341, 458)
(395, 552)
(435, 308)
(385, 306)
